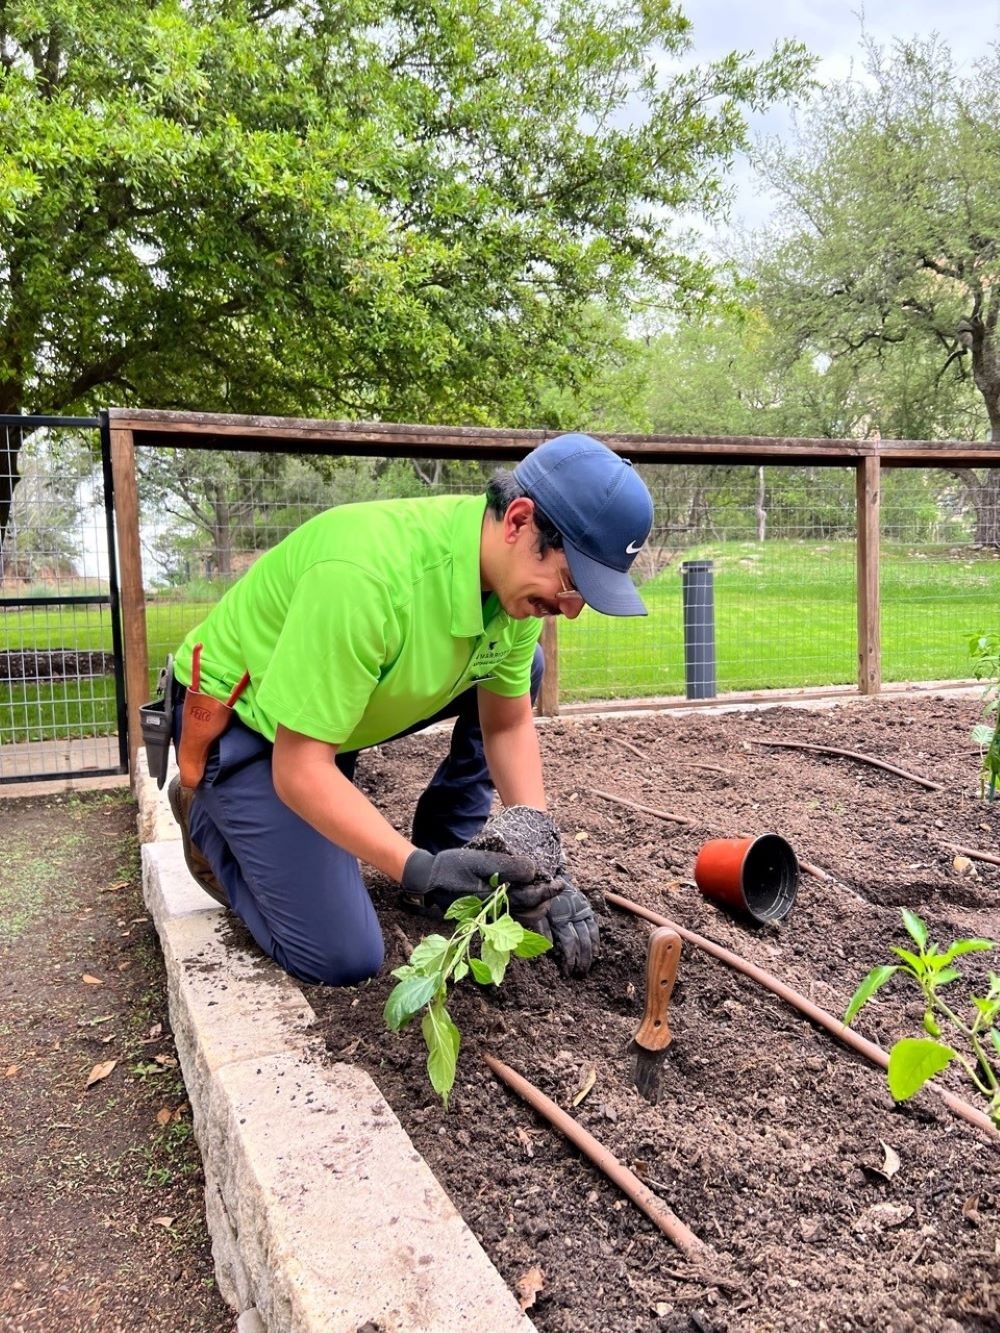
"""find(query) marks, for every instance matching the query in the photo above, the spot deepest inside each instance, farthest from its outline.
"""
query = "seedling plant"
(437, 961)
(985, 651)
(914, 1060)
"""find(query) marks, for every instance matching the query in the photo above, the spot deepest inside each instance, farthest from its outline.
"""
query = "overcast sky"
(831, 30)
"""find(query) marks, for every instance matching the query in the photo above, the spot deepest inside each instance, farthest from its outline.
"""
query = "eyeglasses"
(570, 601)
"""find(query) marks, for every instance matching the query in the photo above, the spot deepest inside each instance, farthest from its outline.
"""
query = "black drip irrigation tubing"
(873, 1052)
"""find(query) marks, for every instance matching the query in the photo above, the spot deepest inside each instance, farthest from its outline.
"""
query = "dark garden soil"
(770, 1140)
(101, 1191)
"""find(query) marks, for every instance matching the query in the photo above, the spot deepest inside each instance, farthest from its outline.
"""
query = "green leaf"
(931, 1024)
(917, 965)
(915, 926)
(407, 998)
(401, 973)
(461, 970)
(982, 734)
(464, 909)
(496, 961)
(429, 954)
(946, 977)
(995, 1039)
(966, 946)
(988, 1008)
(481, 972)
(532, 945)
(504, 934)
(443, 1040)
(912, 1062)
(876, 978)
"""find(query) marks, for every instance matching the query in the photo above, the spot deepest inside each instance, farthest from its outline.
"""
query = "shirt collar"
(466, 594)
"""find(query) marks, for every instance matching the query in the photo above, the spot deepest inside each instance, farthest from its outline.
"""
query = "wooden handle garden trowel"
(653, 1034)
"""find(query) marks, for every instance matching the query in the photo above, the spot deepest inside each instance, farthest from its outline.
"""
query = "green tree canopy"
(389, 209)
(885, 253)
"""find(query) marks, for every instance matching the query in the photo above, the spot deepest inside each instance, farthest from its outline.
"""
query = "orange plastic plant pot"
(756, 876)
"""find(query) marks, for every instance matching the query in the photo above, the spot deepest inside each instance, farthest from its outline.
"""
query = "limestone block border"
(323, 1216)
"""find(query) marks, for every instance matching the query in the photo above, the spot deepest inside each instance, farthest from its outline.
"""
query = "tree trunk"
(10, 447)
(988, 510)
(222, 530)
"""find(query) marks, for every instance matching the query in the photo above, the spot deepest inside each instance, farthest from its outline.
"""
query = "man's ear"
(518, 519)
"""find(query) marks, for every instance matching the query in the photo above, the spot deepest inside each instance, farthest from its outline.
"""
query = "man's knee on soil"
(342, 966)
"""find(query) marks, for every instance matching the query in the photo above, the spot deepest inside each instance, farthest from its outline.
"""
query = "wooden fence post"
(548, 695)
(133, 601)
(869, 612)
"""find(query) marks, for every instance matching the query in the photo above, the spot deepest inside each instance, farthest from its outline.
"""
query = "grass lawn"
(785, 616)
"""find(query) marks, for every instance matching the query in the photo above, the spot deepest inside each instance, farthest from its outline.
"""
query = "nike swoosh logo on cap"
(632, 549)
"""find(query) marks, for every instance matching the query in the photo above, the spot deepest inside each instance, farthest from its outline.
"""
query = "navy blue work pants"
(301, 896)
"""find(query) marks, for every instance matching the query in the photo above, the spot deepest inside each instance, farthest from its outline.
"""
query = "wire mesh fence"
(775, 546)
(780, 544)
(61, 701)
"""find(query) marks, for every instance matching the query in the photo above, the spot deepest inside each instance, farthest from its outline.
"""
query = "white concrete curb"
(323, 1216)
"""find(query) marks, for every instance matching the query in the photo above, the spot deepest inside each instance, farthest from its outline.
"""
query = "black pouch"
(156, 722)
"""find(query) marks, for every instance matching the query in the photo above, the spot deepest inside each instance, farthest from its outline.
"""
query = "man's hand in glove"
(460, 871)
(569, 922)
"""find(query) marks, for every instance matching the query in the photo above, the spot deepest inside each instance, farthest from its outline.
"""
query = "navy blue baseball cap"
(602, 509)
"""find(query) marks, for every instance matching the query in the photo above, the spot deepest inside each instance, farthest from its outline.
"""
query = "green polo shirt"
(363, 621)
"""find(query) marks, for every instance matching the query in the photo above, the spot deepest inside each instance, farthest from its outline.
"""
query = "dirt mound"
(37, 664)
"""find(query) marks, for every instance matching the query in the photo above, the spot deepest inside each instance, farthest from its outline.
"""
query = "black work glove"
(438, 880)
(569, 922)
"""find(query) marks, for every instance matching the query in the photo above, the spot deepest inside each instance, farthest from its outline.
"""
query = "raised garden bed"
(770, 1139)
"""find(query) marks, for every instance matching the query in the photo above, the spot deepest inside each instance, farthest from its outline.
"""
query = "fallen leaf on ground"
(590, 1078)
(100, 1071)
(88, 980)
(884, 1215)
(527, 1287)
(891, 1163)
(962, 865)
(114, 888)
(970, 1210)
(524, 1139)
(155, 1031)
(162, 1222)
(181, 1110)
(163, 1115)
(122, 966)
(167, 1061)
(11, 1070)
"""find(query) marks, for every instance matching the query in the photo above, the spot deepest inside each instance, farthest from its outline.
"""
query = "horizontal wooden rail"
(212, 430)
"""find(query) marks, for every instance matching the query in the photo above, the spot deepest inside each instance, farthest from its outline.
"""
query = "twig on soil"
(690, 763)
(708, 768)
(972, 853)
(854, 754)
(672, 818)
(628, 746)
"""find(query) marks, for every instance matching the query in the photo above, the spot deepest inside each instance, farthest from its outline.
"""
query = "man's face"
(534, 585)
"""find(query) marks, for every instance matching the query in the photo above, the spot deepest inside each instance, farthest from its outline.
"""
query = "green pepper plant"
(985, 652)
(914, 1060)
(422, 983)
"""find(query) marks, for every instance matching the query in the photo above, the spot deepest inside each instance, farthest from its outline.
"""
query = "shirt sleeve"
(512, 676)
(338, 636)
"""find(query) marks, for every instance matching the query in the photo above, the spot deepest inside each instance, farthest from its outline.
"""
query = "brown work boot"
(197, 863)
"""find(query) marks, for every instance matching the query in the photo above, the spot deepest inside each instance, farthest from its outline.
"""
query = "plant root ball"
(520, 830)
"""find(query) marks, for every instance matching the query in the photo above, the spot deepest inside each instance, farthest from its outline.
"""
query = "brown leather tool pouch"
(203, 720)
